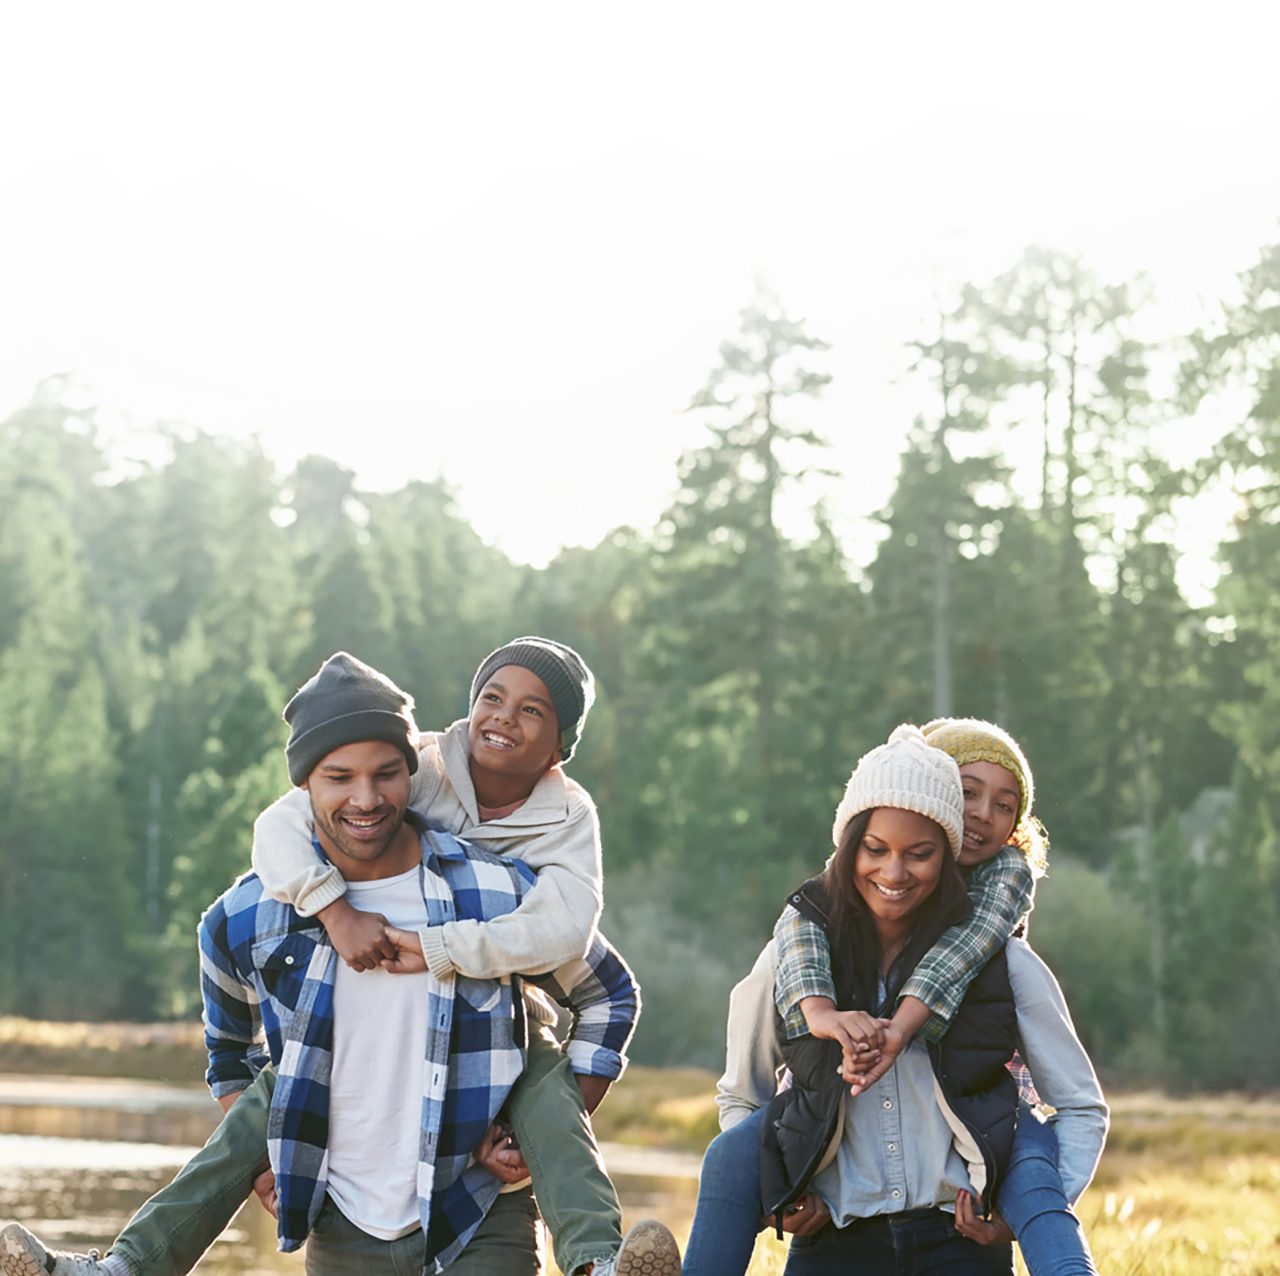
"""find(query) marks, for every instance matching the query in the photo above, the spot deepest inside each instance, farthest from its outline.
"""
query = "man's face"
(513, 728)
(358, 798)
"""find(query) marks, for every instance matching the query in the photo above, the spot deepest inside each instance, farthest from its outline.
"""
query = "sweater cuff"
(439, 963)
(332, 888)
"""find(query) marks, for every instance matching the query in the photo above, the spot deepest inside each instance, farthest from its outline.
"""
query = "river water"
(78, 1156)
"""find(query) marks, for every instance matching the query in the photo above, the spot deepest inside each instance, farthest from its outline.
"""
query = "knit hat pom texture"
(906, 772)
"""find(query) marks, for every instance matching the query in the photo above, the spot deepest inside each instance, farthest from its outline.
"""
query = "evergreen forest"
(155, 615)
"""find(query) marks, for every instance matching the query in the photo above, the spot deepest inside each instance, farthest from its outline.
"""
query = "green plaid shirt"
(1001, 890)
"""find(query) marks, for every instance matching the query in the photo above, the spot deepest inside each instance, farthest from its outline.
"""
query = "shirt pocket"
(282, 964)
(479, 995)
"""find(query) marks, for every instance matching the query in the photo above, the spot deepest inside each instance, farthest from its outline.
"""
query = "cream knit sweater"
(556, 832)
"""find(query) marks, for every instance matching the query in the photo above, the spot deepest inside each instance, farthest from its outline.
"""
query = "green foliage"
(154, 619)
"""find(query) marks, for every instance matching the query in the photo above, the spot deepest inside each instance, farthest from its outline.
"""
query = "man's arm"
(232, 1025)
(601, 993)
(1060, 1067)
(555, 922)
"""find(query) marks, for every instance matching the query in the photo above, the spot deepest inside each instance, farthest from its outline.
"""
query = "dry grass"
(1188, 1186)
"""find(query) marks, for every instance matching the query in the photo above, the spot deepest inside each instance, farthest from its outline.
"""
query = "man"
(389, 1085)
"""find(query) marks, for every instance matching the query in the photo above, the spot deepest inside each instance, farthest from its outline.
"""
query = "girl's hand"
(992, 1231)
(855, 1030)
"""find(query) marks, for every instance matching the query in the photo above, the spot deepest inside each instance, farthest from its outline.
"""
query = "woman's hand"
(992, 1231)
(803, 1217)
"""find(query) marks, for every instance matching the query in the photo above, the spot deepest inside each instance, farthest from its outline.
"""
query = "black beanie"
(343, 702)
(565, 673)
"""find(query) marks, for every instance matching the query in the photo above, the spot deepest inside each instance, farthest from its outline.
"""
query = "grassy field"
(1188, 1186)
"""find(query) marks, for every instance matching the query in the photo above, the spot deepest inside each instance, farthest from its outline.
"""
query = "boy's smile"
(513, 735)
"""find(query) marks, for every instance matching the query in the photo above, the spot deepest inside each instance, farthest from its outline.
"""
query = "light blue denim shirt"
(896, 1152)
(920, 1166)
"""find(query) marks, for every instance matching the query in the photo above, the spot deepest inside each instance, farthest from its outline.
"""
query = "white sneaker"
(23, 1254)
(648, 1249)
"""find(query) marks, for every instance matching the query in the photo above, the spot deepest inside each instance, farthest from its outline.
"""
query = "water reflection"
(76, 1189)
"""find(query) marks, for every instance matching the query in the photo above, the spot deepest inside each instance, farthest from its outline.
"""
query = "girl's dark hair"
(855, 943)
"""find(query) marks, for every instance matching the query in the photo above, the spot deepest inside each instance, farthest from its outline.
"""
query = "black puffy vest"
(969, 1063)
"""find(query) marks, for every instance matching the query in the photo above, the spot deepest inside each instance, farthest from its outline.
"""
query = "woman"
(887, 1163)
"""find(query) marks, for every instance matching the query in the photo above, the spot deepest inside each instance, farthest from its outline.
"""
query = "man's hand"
(803, 1217)
(408, 958)
(499, 1153)
(593, 1090)
(993, 1231)
(265, 1186)
(360, 938)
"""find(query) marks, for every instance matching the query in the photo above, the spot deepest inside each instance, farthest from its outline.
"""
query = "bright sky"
(502, 242)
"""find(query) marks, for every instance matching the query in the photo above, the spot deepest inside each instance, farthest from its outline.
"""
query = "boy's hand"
(408, 958)
(499, 1153)
(360, 938)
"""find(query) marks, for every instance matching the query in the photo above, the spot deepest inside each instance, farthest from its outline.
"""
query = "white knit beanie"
(908, 773)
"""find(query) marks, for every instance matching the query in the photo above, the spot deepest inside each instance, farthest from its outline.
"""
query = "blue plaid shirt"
(267, 978)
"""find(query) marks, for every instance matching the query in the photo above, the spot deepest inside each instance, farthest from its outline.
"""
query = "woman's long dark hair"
(855, 943)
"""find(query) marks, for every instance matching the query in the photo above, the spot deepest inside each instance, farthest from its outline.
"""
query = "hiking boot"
(22, 1254)
(648, 1249)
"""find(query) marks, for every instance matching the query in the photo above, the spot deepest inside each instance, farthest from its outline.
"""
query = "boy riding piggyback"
(496, 778)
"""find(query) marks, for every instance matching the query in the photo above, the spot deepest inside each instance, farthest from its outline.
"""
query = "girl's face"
(990, 810)
(897, 865)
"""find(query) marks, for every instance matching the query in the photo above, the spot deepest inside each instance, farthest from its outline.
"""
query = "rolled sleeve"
(804, 968)
(232, 1026)
(1001, 892)
(601, 993)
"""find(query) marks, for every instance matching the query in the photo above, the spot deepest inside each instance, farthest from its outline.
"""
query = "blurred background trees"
(155, 616)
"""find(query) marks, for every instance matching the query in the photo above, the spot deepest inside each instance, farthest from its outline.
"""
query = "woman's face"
(898, 864)
(990, 809)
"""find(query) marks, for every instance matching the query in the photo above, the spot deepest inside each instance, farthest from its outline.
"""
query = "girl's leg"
(727, 1217)
(1033, 1202)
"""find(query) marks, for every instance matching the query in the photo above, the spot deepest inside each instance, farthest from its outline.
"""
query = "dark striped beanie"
(565, 673)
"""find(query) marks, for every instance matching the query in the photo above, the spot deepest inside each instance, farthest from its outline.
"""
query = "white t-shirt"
(375, 1113)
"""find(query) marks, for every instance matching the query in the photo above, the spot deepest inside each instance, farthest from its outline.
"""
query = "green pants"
(168, 1235)
(505, 1244)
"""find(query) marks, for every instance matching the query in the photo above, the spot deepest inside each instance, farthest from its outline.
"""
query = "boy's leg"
(171, 1231)
(1035, 1206)
(573, 1191)
(727, 1216)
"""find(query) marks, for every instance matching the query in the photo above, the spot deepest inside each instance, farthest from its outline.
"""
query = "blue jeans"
(1035, 1206)
(727, 1216)
(917, 1243)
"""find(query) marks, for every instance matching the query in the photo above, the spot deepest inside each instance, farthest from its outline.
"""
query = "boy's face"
(358, 798)
(513, 726)
(990, 809)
